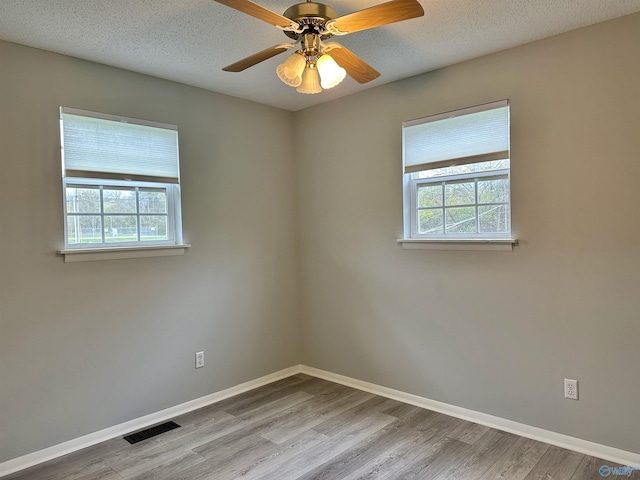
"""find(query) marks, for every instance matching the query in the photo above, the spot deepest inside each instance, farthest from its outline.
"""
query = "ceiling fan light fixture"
(290, 72)
(331, 74)
(310, 80)
(311, 22)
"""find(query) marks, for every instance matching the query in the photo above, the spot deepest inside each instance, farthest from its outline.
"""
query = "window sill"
(117, 253)
(480, 244)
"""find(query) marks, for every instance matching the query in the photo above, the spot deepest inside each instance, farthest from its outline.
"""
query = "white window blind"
(471, 135)
(96, 145)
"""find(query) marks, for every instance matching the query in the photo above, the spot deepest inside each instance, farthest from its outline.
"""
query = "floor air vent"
(151, 432)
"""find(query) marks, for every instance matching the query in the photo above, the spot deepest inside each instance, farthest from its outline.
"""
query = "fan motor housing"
(309, 13)
(301, 11)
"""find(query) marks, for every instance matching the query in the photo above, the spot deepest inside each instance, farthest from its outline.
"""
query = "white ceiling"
(189, 41)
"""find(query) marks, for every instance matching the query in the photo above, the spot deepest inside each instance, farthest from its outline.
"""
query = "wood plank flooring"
(307, 428)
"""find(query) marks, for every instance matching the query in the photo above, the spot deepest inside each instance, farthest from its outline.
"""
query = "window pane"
(120, 228)
(83, 200)
(119, 200)
(493, 190)
(461, 220)
(153, 228)
(460, 193)
(494, 219)
(430, 195)
(430, 221)
(460, 169)
(83, 229)
(153, 200)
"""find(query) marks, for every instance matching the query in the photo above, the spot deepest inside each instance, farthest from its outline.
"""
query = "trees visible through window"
(112, 214)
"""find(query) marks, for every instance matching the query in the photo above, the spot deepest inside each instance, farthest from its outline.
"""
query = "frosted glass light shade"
(290, 72)
(331, 74)
(310, 81)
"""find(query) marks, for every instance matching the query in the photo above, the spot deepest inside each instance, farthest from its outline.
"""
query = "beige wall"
(492, 331)
(86, 346)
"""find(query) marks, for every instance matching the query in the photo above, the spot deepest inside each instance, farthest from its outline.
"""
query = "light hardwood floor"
(306, 428)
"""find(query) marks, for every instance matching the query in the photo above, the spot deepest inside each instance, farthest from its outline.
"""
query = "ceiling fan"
(311, 68)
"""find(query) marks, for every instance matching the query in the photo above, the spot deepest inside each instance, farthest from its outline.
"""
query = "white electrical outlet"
(571, 389)
(199, 359)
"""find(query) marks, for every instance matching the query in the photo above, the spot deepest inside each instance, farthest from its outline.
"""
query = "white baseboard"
(564, 441)
(571, 443)
(79, 443)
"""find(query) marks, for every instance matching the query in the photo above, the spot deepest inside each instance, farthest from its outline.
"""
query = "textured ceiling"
(189, 41)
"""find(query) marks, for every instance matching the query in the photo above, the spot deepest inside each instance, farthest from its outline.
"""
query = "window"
(121, 182)
(109, 213)
(456, 175)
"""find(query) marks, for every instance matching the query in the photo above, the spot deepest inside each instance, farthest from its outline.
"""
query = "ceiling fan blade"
(257, 57)
(357, 68)
(260, 12)
(383, 14)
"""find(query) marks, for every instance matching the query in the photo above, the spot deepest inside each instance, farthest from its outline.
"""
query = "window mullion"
(138, 212)
(475, 182)
(444, 211)
(415, 219)
(102, 226)
(171, 193)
